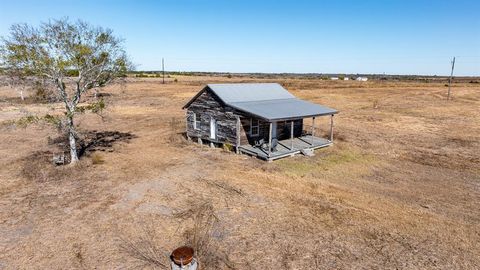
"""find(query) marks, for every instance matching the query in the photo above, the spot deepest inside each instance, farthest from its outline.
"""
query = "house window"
(196, 121)
(254, 127)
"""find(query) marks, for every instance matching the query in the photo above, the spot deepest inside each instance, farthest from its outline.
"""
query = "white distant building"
(334, 78)
(362, 79)
(346, 79)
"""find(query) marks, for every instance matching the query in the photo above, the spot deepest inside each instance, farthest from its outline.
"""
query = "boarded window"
(254, 127)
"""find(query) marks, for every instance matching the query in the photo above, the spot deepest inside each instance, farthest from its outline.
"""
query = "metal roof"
(283, 109)
(241, 92)
(269, 101)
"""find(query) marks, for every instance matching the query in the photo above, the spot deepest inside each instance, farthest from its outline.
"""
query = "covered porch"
(275, 149)
(286, 148)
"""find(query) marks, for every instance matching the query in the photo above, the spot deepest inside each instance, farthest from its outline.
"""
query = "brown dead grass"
(399, 188)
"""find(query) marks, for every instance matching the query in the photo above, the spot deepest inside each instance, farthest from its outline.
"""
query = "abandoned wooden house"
(259, 119)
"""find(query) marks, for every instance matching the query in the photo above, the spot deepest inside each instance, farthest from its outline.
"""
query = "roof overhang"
(283, 109)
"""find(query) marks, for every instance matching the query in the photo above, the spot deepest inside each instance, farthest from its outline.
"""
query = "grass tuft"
(97, 159)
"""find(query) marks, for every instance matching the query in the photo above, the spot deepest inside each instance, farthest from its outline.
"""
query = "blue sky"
(393, 37)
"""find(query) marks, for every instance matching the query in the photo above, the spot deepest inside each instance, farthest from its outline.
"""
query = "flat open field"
(399, 189)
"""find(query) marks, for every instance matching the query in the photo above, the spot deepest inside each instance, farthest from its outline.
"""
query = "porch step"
(307, 152)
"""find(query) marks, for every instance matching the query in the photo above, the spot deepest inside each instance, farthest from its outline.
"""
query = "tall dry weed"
(205, 236)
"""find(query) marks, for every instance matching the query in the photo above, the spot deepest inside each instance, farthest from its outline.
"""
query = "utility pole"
(450, 79)
(163, 72)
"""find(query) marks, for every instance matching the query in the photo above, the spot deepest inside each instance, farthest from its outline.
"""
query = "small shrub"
(96, 107)
(227, 147)
(176, 80)
(97, 159)
(40, 94)
(34, 119)
(27, 120)
(54, 120)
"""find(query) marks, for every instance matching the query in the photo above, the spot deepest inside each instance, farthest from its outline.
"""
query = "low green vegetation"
(148, 75)
(96, 107)
(323, 161)
(228, 147)
(33, 119)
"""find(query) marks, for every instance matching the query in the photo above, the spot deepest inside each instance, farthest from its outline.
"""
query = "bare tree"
(74, 57)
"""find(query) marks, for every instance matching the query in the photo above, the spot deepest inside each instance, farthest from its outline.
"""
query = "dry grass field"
(399, 189)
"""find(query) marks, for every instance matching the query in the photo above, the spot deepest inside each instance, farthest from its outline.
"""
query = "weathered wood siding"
(245, 130)
(283, 130)
(246, 138)
(206, 106)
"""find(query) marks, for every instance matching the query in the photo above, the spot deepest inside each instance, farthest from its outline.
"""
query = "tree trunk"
(72, 140)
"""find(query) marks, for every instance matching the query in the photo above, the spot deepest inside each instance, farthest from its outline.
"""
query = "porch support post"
(269, 139)
(313, 129)
(331, 128)
(291, 135)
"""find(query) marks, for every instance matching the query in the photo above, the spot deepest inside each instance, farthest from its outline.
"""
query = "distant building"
(346, 79)
(334, 78)
(362, 79)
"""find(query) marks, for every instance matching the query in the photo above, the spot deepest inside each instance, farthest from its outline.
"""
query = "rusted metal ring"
(182, 255)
